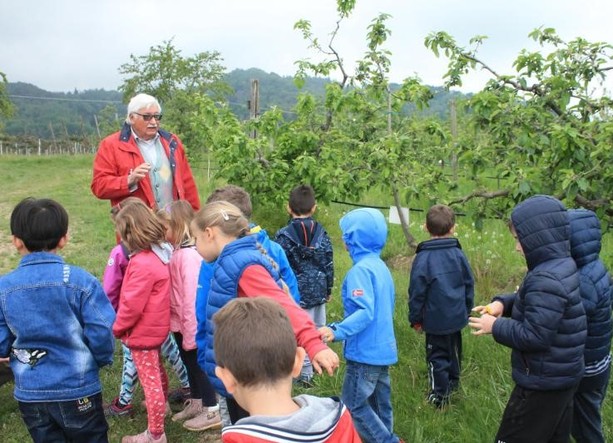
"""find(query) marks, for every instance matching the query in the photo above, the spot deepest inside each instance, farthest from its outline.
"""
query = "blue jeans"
(367, 394)
(66, 421)
(587, 421)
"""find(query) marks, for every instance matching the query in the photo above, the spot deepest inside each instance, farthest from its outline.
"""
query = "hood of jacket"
(163, 251)
(542, 227)
(364, 232)
(585, 236)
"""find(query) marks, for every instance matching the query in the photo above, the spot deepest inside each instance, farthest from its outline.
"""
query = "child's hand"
(418, 328)
(495, 308)
(325, 359)
(482, 325)
(326, 334)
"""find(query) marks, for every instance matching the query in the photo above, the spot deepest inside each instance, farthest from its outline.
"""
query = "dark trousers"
(537, 416)
(66, 421)
(587, 420)
(200, 385)
(235, 411)
(444, 357)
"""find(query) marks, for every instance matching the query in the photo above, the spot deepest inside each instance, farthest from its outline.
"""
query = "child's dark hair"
(235, 195)
(440, 220)
(138, 226)
(39, 223)
(255, 341)
(302, 200)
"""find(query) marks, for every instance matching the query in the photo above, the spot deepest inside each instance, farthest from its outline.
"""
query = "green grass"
(475, 410)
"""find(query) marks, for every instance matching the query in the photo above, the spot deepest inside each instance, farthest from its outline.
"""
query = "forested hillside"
(47, 115)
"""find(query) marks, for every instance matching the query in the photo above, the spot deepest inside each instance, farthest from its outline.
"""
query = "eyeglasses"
(148, 117)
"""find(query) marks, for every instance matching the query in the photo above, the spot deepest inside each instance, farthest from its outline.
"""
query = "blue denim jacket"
(55, 325)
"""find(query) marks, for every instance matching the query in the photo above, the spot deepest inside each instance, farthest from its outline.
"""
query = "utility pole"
(454, 139)
(254, 103)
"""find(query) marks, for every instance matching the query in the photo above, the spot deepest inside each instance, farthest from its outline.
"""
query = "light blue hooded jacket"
(368, 292)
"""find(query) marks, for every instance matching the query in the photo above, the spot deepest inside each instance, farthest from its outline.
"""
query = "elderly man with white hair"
(143, 161)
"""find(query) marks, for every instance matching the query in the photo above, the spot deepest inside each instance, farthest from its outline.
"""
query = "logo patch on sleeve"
(111, 262)
(357, 292)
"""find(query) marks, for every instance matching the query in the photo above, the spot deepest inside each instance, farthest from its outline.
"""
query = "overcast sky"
(60, 45)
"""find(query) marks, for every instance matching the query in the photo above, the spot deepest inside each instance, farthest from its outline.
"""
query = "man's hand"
(136, 175)
(325, 359)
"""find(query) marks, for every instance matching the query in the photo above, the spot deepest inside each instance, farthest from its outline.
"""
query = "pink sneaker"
(144, 437)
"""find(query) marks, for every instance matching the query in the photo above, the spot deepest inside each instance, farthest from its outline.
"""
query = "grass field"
(475, 410)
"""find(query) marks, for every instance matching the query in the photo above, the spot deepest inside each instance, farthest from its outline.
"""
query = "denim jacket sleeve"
(98, 316)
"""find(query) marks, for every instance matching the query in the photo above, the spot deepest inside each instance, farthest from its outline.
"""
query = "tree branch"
(480, 194)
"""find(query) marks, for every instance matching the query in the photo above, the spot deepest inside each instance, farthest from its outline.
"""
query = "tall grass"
(475, 410)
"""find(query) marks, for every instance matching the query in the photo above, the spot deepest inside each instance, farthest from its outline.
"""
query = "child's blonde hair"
(180, 215)
(138, 226)
(227, 217)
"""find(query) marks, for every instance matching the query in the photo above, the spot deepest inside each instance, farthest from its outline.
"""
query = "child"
(241, 199)
(55, 325)
(368, 326)
(201, 412)
(242, 269)
(143, 318)
(595, 288)
(547, 328)
(309, 252)
(111, 282)
(258, 371)
(441, 294)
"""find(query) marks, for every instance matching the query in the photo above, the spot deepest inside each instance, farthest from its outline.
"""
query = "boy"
(258, 370)
(595, 289)
(547, 328)
(309, 252)
(55, 325)
(441, 293)
(368, 326)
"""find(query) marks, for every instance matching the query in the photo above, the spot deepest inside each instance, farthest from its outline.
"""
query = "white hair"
(140, 101)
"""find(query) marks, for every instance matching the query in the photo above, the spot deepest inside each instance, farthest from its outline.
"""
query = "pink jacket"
(184, 270)
(114, 272)
(143, 318)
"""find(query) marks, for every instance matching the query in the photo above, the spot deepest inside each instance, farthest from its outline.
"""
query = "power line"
(60, 99)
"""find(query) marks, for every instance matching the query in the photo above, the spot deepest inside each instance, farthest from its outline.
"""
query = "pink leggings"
(154, 381)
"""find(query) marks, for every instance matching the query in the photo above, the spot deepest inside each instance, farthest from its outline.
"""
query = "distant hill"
(44, 114)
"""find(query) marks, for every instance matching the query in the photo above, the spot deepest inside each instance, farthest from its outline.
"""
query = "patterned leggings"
(129, 378)
(154, 380)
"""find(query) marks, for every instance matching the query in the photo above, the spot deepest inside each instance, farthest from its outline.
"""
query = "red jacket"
(143, 318)
(118, 154)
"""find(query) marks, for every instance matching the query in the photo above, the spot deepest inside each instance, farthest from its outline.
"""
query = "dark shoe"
(179, 395)
(115, 409)
(304, 382)
(437, 401)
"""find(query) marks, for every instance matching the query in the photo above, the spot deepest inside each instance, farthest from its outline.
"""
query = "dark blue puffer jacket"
(547, 328)
(595, 284)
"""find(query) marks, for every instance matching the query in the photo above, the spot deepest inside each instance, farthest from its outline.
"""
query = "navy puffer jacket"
(547, 328)
(595, 283)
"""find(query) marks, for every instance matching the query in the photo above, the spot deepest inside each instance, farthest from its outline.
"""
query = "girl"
(111, 282)
(143, 318)
(243, 269)
(201, 412)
